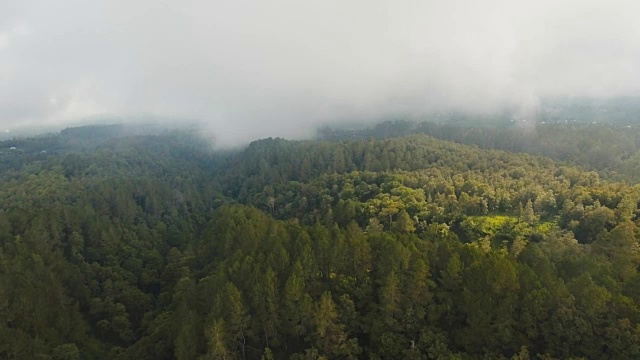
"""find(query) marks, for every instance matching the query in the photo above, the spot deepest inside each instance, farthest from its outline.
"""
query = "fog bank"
(249, 69)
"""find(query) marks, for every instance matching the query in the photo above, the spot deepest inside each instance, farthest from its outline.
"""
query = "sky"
(247, 68)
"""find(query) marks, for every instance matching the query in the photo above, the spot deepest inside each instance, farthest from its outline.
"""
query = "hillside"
(153, 246)
(613, 150)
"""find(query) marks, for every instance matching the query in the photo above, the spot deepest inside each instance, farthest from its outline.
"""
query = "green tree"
(403, 223)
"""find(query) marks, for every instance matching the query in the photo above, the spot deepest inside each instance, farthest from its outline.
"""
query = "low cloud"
(251, 68)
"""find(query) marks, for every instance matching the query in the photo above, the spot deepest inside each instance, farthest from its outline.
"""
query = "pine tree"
(403, 223)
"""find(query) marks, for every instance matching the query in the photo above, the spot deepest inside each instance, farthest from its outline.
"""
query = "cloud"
(4, 40)
(253, 68)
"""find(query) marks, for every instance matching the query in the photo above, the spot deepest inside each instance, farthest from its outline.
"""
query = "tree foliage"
(154, 247)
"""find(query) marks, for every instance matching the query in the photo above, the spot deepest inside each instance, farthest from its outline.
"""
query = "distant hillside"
(18, 151)
(612, 150)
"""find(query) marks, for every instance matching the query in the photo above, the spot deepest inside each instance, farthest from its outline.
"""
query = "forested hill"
(613, 150)
(156, 247)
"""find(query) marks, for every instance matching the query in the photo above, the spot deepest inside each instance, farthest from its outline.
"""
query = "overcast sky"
(252, 68)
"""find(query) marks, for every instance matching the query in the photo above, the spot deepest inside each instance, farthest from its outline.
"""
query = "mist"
(250, 69)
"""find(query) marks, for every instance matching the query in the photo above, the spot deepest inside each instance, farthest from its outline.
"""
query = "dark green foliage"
(153, 247)
(605, 145)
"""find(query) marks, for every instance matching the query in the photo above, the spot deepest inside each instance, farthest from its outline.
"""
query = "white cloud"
(21, 29)
(256, 68)
(4, 40)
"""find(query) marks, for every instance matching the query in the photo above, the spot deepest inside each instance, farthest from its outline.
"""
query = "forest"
(398, 241)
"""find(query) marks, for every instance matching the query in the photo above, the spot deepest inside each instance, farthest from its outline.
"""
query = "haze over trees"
(410, 247)
(492, 214)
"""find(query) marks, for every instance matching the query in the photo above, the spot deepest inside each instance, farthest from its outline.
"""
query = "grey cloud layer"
(258, 68)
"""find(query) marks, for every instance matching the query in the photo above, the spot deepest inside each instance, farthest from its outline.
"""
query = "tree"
(528, 216)
(217, 349)
(403, 223)
(66, 352)
(330, 336)
(390, 298)
(235, 317)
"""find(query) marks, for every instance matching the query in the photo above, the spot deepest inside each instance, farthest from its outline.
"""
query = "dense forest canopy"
(613, 150)
(402, 241)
